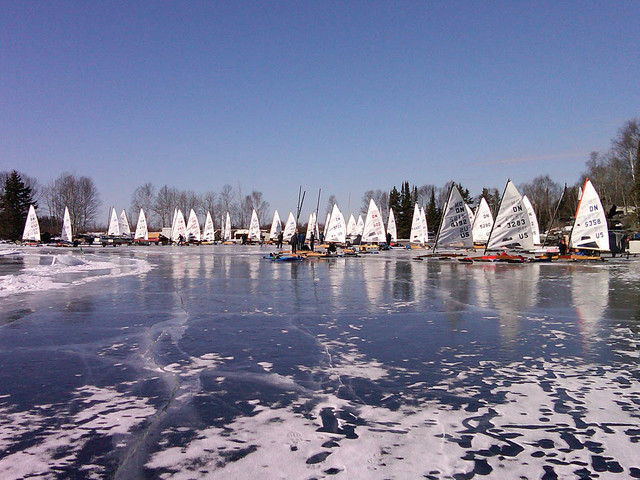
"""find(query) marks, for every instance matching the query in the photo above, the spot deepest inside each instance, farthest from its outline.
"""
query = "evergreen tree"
(394, 201)
(14, 206)
(433, 213)
(405, 210)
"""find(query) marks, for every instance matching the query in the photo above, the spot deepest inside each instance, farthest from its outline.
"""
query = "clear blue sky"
(347, 96)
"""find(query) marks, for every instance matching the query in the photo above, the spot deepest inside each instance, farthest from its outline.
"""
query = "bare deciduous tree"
(143, 197)
(78, 194)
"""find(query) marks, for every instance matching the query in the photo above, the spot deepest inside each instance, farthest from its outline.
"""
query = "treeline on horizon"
(614, 173)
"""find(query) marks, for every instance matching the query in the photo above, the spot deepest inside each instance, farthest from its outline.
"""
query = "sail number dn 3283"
(516, 223)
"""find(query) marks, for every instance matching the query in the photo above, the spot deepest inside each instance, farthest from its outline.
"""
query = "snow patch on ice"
(60, 271)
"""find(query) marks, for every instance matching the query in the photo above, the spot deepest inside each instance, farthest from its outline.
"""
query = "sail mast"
(446, 207)
(546, 237)
(496, 218)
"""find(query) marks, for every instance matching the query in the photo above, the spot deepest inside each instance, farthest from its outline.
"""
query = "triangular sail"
(173, 221)
(193, 227)
(455, 228)
(227, 229)
(391, 226)
(360, 226)
(512, 227)
(208, 234)
(31, 227)
(326, 225)
(67, 234)
(482, 222)
(425, 227)
(179, 228)
(276, 226)
(114, 225)
(351, 227)
(373, 225)
(533, 219)
(289, 228)
(337, 231)
(469, 212)
(417, 235)
(123, 224)
(254, 227)
(590, 230)
(312, 227)
(142, 232)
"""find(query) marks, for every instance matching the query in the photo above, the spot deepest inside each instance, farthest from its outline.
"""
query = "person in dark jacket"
(279, 243)
(294, 243)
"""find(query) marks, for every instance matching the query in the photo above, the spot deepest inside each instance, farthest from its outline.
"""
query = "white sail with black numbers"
(337, 231)
(455, 227)
(512, 228)
(31, 230)
(373, 225)
(482, 222)
(590, 230)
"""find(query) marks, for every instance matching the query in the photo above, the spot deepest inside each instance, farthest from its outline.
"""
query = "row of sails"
(515, 225)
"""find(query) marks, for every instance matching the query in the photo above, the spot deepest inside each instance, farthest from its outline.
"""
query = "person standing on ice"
(294, 242)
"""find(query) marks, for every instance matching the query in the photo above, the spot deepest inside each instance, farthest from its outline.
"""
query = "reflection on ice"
(590, 294)
(218, 364)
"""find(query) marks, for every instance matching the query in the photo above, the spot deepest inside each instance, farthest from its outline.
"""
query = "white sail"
(469, 212)
(351, 227)
(67, 234)
(326, 225)
(360, 226)
(312, 227)
(416, 226)
(276, 226)
(193, 227)
(289, 228)
(179, 227)
(455, 228)
(482, 222)
(337, 231)
(373, 225)
(173, 222)
(533, 219)
(208, 233)
(123, 224)
(254, 227)
(114, 225)
(512, 227)
(590, 230)
(227, 229)
(31, 227)
(142, 232)
(391, 226)
(425, 227)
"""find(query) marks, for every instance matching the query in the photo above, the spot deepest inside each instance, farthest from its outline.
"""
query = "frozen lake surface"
(211, 362)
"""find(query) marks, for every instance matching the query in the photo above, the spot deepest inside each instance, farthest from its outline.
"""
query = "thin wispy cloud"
(577, 156)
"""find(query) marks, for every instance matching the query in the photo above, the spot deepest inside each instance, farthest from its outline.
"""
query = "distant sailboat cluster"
(515, 226)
